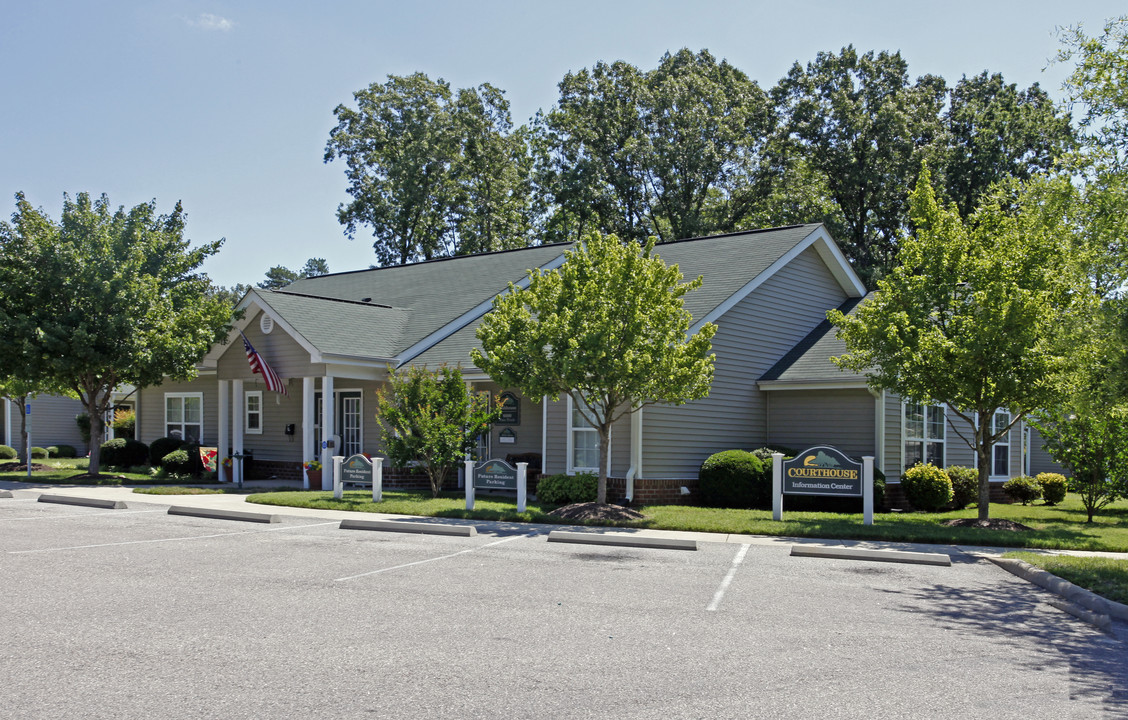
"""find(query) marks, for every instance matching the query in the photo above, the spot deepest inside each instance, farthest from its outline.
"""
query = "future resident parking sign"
(822, 470)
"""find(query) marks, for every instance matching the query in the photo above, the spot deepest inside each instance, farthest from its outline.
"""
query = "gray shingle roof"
(437, 292)
(809, 361)
(356, 329)
(382, 312)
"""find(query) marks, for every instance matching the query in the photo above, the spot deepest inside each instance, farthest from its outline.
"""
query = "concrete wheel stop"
(84, 502)
(622, 540)
(889, 556)
(418, 528)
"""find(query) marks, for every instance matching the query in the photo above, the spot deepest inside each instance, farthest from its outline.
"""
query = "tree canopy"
(431, 417)
(280, 276)
(982, 314)
(608, 328)
(431, 173)
(102, 298)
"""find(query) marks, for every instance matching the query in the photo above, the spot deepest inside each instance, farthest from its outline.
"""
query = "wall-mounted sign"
(507, 437)
(822, 470)
(510, 409)
(495, 475)
(357, 469)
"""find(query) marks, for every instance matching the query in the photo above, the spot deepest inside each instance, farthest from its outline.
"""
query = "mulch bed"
(989, 524)
(17, 467)
(596, 511)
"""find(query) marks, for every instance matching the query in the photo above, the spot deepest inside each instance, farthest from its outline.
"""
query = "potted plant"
(227, 463)
(313, 472)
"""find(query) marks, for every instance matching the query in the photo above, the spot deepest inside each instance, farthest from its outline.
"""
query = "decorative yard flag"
(260, 366)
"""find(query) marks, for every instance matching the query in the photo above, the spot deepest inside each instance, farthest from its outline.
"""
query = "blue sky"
(226, 106)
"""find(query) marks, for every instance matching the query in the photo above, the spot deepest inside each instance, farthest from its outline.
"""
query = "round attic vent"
(266, 323)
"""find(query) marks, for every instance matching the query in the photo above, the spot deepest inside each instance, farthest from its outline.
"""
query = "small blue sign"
(27, 409)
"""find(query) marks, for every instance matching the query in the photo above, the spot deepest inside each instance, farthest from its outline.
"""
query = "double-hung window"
(184, 416)
(1000, 465)
(924, 434)
(583, 440)
(253, 410)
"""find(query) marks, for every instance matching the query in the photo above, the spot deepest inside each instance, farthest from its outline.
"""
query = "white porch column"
(308, 421)
(223, 425)
(237, 428)
(328, 426)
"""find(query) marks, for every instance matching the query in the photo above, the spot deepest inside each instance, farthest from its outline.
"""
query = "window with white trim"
(252, 410)
(583, 441)
(184, 416)
(1000, 465)
(925, 435)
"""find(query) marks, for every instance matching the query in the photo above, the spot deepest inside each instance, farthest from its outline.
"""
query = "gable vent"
(266, 323)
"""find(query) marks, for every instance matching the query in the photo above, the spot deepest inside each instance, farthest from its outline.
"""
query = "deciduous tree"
(431, 417)
(608, 328)
(102, 298)
(982, 314)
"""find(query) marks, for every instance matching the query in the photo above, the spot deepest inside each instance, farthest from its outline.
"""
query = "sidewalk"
(226, 501)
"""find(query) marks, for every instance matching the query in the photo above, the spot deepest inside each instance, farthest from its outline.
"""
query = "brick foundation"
(652, 492)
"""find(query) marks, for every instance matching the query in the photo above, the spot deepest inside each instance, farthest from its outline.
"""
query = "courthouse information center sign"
(822, 470)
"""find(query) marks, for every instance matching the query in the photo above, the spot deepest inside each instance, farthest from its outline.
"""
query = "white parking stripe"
(441, 557)
(115, 513)
(174, 539)
(728, 579)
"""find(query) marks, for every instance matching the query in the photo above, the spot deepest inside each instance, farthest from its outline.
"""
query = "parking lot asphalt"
(137, 613)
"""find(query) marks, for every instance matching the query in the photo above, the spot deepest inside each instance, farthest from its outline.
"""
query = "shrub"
(1023, 489)
(161, 447)
(39, 453)
(735, 479)
(927, 487)
(83, 422)
(65, 451)
(965, 485)
(52, 451)
(177, 462)
(567, 489)
(7, 452)
(124, 423)
(1054, 487)
(121, 452)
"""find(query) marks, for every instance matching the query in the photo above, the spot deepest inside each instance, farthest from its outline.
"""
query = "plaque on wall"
(510, 409)
(507, 437)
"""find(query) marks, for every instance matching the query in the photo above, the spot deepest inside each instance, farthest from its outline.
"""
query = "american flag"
(260, 366)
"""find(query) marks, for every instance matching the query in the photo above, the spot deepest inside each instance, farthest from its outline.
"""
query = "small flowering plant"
(227, 462)
(313, 465)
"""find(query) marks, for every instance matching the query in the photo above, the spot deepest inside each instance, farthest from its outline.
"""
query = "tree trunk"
(984, 453)
(604, 448)
(97, 432)
(22, 449)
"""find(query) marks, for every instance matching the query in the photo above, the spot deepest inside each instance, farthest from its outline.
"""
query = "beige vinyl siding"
(750, 338)
(957, 452)
(841, 418)
(52, 422)
(1040, 460)
(621, 446)
(289, 359)
(556, 460)
(894, 450)
(527, 431)
(151, 408)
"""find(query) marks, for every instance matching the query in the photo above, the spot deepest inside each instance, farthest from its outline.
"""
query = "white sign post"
(867, 489)
(777, 486)
(338, 486)
(469, 484)
(27, 426)
(522, 494)
(377, 479)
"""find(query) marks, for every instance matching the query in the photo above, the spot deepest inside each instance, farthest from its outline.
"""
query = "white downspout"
(635, 469)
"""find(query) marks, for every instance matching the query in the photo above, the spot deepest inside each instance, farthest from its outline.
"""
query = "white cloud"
(207, 21)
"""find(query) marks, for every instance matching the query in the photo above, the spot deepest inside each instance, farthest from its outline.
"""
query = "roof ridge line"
(340, 300)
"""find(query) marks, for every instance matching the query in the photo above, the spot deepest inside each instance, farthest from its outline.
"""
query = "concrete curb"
(622, 539)
(890, 556)
(5, 494)
(85, 502)
(1075, 595)
(418, 528)
(223, 514)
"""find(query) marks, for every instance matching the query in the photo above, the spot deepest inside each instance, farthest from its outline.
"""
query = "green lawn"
(1107, 577)
(1059, 527)
(71, 471)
